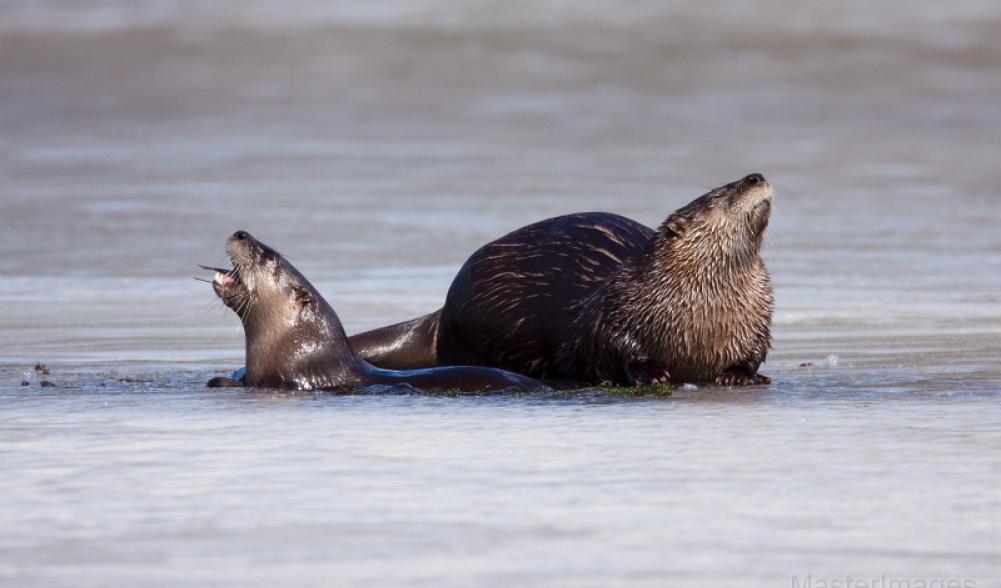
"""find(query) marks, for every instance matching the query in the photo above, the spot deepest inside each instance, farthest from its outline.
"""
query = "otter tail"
(404, 346)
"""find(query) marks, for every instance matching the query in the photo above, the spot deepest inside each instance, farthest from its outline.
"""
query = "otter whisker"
(242, 305)
(211, 306)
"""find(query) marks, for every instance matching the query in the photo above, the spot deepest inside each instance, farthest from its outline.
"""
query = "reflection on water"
(377, 145)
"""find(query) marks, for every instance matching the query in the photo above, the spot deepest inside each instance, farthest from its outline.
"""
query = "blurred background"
(377, 145)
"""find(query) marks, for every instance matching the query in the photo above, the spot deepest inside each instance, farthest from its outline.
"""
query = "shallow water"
(377, 146)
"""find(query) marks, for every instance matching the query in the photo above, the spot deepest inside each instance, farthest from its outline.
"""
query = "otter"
(599, 298)
(294, 339)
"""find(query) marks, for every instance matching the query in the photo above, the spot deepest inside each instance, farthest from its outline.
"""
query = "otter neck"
(693, 309)
(307, 351)
(701, 260)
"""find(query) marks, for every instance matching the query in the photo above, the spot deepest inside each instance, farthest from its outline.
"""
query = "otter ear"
(302, 296)
(676, 226)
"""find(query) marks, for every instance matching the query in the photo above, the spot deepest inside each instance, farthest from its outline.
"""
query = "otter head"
(723, 227)
(291, 331)
(277, 295)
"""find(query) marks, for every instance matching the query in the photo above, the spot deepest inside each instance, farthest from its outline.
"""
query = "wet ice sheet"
(165, 484)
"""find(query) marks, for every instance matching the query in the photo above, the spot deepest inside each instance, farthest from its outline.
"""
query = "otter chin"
(294, 339)
(598, 298)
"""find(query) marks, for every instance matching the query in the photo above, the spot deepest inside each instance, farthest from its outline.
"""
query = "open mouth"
(225, 281)
(230, 288)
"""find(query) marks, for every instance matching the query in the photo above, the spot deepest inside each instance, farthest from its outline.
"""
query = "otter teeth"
(224, 279)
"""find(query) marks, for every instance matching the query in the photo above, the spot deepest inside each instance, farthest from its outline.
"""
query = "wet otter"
(295, 340)
(595, 297)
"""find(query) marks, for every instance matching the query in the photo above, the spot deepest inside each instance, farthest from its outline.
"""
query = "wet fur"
(596, 297)
(295, 340)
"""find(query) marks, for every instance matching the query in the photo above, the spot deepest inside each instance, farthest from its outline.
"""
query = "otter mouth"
(224, 278)
(758, 216)
(762, 207)
(226, 283)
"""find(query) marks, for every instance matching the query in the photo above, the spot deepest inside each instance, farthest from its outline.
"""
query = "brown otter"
(295, 340)
(595, 297)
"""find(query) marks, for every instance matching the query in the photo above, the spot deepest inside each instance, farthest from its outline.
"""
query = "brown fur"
(596, 297)
(295, 340)
(695, 305)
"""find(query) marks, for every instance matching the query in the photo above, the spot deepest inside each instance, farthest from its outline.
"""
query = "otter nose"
(241, 235)
(755, 180)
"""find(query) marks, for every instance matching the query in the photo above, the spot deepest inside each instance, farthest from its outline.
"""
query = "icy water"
(377, 145)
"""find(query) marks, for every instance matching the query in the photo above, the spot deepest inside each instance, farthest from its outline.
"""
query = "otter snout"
(241, 247)
(245, 252)
(755, 179)
(251, 258)
(753, 190)
(237, 237)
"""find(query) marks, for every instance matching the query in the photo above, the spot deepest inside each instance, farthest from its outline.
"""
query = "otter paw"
(742, 379)
(647, 373)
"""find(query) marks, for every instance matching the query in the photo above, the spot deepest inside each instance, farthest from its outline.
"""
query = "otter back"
(512, 302)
